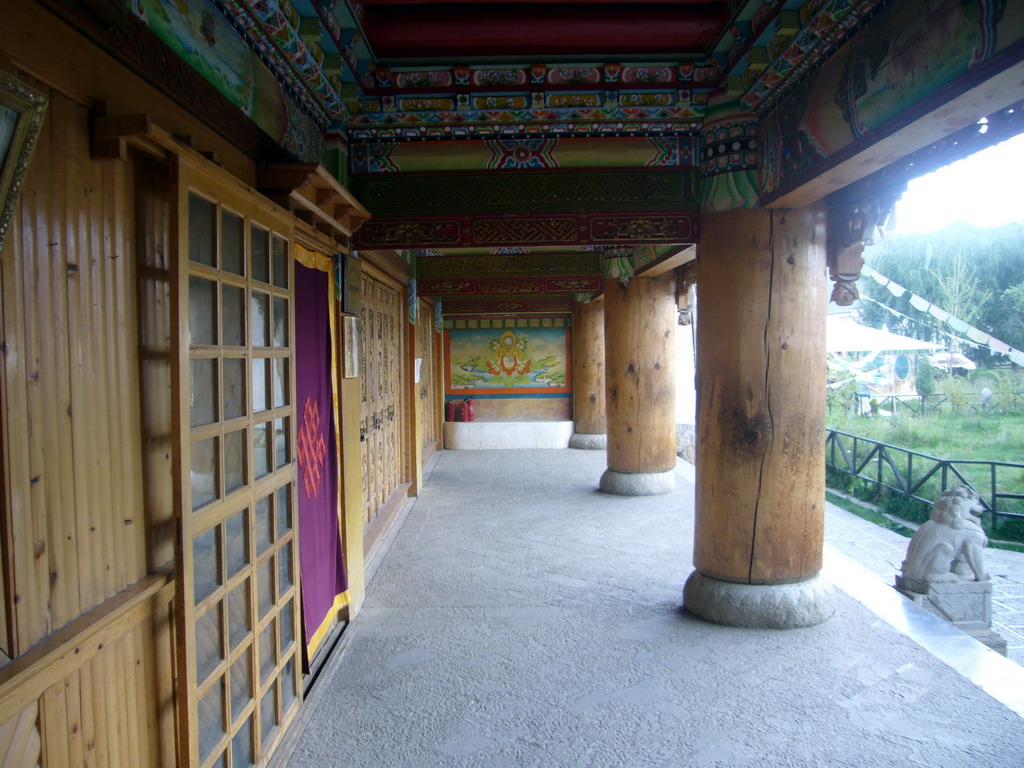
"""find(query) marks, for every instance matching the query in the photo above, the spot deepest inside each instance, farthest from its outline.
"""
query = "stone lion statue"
(949, 547)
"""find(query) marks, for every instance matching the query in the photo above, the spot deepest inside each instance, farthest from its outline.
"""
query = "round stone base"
(760, 606)
(588, 442)
(638, 483)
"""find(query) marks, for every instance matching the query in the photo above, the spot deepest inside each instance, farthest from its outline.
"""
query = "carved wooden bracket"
(311, 193)
(854, 216)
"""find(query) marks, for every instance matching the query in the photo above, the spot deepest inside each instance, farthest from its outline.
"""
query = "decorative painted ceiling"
(567, 123)
(413, 69)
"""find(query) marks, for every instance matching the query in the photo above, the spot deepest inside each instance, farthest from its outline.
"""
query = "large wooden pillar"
(588, 389)
(761, 297)
(639, 322)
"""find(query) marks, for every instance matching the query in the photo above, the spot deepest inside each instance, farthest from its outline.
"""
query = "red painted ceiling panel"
(462, 29)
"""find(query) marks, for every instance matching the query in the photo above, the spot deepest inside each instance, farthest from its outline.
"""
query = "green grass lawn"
(973, 435)
(957, 436)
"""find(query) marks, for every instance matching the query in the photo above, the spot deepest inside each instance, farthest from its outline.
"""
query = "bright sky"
(983, 189)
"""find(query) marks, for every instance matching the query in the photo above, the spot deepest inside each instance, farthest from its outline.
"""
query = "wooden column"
(640, 322)
(588, 389)
(760, 498)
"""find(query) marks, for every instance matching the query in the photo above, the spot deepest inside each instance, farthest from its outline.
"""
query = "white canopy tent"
(844, 334)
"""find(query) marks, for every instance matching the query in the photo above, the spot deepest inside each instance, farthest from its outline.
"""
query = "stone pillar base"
(967, 605)
(760, 606)
(588, 442)
(638, 483)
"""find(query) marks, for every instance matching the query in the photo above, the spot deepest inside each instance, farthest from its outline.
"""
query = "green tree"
(975, 273)
(924, 379)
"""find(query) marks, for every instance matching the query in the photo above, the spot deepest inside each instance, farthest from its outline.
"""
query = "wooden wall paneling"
(76, 742)
(56, 728)
(73, 500)
(151, 183)
(32, 600)
(20, 742)
(16, 523)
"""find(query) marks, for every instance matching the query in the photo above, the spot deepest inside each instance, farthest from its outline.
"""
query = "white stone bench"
(484, 435)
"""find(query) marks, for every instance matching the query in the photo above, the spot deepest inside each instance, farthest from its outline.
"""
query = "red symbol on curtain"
(311, 449)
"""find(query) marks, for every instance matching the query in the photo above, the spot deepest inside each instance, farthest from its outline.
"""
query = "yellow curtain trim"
(330, 620)
(312, 259)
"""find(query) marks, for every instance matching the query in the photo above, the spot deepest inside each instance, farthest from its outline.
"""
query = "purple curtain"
(320, 556)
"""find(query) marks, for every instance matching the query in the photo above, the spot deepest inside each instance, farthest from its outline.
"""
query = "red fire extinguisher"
(449, 411)
(460, 412)
(468, 405)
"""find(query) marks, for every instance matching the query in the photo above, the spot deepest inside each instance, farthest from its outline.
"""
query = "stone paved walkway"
(523, 619)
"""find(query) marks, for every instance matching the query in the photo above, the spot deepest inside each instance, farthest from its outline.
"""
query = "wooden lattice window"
(238, 605)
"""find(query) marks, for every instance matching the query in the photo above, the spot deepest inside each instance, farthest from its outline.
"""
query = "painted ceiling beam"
(489, 30)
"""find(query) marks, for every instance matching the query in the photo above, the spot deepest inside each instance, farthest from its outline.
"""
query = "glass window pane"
(202, 311)
(280, 262)
(286, 625)
(235, 445)
(284, 569)
(201, 231)
(261, 449)
(204, 472)
(268, 716)
(238, 614)
(260, 311)
(241, 684)
(280, 382)
(241, 745)
(209, 642)
(280, 322)
(265, 586)
(268, 655)
(236, 529)
(264, 526)
(284, 509)
(232, 316)
(289, 684)
(203, 392)
(206, 563)
(232, 243)
(260, 254)
(259, 384)
(234, 387)
(211, 719)
(282, 443)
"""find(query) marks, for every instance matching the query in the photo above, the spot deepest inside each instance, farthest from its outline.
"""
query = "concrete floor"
(522, 618)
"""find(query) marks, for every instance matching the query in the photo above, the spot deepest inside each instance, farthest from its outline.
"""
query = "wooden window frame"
(230, 195)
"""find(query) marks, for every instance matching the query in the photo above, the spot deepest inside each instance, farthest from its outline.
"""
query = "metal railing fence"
(921, 405)
(923, 477)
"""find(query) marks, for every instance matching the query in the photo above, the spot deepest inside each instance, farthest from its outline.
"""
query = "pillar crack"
(767, 390)
(639, 374)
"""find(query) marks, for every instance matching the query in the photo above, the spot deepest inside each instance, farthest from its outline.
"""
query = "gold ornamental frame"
(22, 109)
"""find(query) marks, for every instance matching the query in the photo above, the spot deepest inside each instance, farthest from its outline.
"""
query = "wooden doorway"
(427, 390)
(382, 411)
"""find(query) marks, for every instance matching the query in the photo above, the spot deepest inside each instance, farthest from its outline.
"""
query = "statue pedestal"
(967, 605)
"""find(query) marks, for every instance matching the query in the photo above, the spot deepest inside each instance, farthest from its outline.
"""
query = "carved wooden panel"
(381, 412)
(427, 390)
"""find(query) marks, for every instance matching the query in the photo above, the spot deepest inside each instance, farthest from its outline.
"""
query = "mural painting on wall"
(198, 33)
(906, 55)
(509, 361)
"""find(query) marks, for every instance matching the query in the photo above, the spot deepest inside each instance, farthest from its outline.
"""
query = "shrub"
(924, 379)
(957, 393)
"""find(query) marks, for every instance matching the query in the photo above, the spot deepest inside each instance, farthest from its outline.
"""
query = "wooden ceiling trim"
(310, 192)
